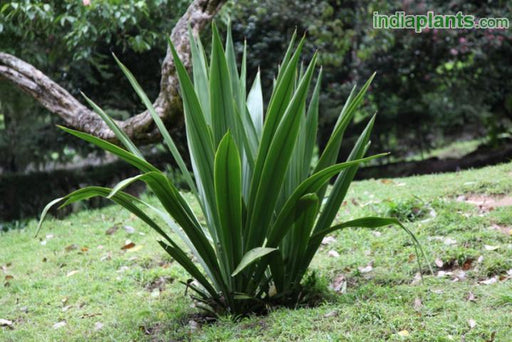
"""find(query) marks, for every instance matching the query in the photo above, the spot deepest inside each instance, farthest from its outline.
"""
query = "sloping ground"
(482, 156)
(99, 275)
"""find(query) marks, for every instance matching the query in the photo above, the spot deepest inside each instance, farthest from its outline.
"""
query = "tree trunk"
(140, 127)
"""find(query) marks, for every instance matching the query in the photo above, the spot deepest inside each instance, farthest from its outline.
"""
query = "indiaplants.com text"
(420, 22)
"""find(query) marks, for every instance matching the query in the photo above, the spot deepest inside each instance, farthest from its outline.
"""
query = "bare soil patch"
(486, 203)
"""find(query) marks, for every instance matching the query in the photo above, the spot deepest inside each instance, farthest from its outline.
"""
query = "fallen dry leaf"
(449, 241)
(368, 268)
(331, 314)
(98, 326)
(128, 245)
(112, 230)
(71, 247)
(339, 284)
(9, 277)
(72, 273)
(129, 229)
(404, 333)
(6, 323)
(333, 254)
(417, 304)
(471, 323)
(84, 249)
(441, 274)
(489, 281)
(107, 256)
(417, 279)
(59, 325)
(471, 297)
(467, 264)
(491, 248)
(135, 249)
(122, 269)
(193, 325)
(89, 315)
(66, 308)
(459, 275)
(386, 181)
(328, 240)
(411, 257)
(439, 263)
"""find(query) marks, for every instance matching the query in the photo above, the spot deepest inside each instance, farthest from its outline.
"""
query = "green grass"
(457, 149)
(118, 291)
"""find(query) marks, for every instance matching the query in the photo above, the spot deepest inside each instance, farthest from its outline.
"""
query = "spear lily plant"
(266, 206)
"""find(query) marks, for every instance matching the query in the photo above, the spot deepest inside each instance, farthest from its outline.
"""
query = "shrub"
(263, 203)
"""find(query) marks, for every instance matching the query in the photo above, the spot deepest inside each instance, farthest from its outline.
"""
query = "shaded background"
(443, 97)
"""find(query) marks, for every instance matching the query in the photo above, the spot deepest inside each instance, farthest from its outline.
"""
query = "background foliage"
(72, 43)
(431, 88)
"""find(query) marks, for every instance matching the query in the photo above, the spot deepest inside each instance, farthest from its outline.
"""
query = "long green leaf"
(311, 185)
(189, 266)
(311, 127)
(276, 260)
(298, 237)
(200, 75)
(368, 222)
(279, 101)
(236, 86)
(177, 207)
(45, 212)
(332, 148)
(267, 180)
(221, 94)
(201, 144)
(129, 157)
(342, 183)
(252, 256)
(124, 199)
(228, 191)
(159, 123)
(120, 134)
(288, 55)
(255, 104)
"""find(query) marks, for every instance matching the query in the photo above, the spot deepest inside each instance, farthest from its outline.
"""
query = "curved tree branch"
(140, 127)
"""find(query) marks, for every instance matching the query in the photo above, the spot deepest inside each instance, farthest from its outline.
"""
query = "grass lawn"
(75, 283)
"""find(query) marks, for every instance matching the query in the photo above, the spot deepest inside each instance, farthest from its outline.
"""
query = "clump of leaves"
(409, 210)
(265, 207)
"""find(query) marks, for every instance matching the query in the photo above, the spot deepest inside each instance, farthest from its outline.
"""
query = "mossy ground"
(75, 273)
